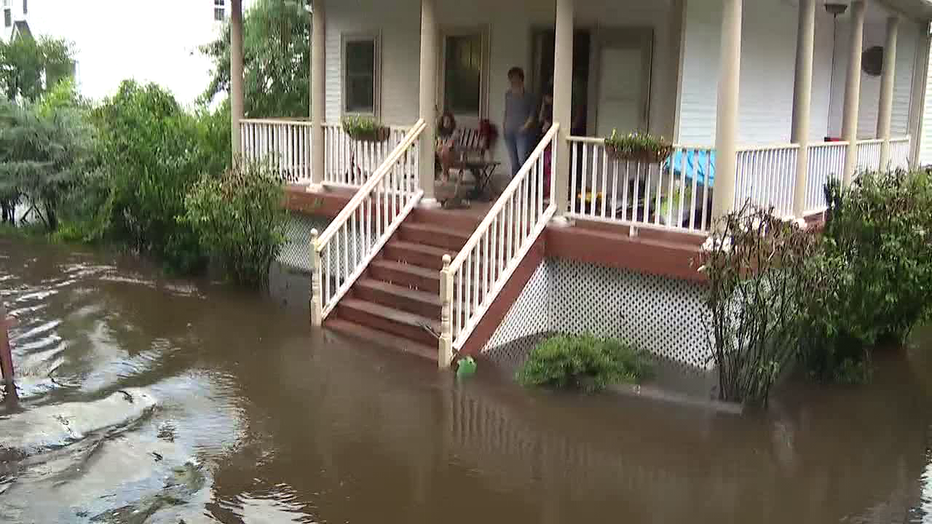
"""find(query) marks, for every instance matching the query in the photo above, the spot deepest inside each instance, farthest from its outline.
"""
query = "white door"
(621, 80)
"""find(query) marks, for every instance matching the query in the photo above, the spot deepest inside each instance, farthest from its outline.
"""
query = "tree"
(277, 54)
(41, 156)
(30, 67)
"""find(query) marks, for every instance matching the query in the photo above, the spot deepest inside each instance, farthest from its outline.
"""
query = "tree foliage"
(42, 155)
(29, 67)
(277, 54)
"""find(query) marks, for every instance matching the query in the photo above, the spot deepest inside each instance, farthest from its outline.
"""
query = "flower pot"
(379, 135)
(644, 156)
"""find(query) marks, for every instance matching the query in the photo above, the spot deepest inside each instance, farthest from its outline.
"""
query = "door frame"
(637, 37)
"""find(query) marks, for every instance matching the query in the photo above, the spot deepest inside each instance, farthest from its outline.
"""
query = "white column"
(802, 100)
(562, 100)
(918, 93)
(428, 99)
(318, 91)
(849, 126)
(726, 128)
(236, 75)
(888, 76)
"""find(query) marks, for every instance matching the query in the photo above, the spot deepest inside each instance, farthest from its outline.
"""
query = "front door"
(620, 81)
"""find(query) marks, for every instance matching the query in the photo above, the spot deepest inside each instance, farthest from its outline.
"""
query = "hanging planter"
(365, 129)
(638, 147)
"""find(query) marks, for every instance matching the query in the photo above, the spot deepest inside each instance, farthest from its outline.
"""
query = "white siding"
(767, 72)
(510, 24)
(875, 35)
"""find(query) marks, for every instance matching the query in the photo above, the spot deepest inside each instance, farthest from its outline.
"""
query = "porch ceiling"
(916, 9)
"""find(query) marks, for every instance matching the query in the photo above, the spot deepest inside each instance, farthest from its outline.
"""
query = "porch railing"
(284, 145)
(868, 155)
(350, 162)
(343, 251)
(766, 176)
(899, 152)
(826, 162)
(673, 194)
(472, 281)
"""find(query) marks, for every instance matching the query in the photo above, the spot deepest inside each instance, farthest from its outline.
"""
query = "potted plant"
(365, 129)
(641, 147)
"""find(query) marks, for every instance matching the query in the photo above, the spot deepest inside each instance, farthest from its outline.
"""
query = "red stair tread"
(409, 293)
(415, 270)
(382, 338)
(422, 248)
(394, 315)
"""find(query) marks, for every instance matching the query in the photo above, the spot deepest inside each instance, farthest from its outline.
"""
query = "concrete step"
(382, 338)
(391, 320)
(404, 298)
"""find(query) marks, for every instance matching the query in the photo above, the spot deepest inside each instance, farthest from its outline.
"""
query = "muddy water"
(145, 399)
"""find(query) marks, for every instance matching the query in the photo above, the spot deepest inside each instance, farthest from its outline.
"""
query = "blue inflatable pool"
(693, 163)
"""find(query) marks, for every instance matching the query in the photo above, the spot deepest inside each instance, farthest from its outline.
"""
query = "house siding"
(510, 24)
(768, 64)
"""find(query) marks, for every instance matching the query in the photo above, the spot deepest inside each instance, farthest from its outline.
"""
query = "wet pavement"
(149, 399)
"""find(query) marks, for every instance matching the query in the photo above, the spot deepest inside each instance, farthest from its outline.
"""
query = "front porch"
(451, 280)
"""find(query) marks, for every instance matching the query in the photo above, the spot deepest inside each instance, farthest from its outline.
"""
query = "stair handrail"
(515, 221)
(344, 250)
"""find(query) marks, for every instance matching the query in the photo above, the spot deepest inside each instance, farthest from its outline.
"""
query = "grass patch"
(585, 362)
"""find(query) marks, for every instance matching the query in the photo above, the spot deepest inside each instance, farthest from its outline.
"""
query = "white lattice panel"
(296, 252)
(661, 315)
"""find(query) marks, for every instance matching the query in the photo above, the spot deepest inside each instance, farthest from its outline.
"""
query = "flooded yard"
(147, 399)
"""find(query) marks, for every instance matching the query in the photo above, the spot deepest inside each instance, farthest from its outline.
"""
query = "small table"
(482, 171)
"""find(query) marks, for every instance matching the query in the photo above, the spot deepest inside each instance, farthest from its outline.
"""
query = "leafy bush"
(42, 155)
(638, 146)
(753, 263)
(239, 219)
(583, 362)
(151, 153)
(872, 278)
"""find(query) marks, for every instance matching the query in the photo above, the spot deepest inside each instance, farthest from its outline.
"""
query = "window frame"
(25, 7)
(220, 6)
(482, 31)
(376, 39)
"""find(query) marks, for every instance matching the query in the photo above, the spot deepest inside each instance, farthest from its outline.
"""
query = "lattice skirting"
(661, 315)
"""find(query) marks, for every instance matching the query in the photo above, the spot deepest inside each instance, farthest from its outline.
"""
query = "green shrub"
(151, 153)
(239, 219)
(754, 263)
(872, 277)
(583, 362)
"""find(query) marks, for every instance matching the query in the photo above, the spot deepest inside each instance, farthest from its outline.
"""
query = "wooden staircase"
(396, 302)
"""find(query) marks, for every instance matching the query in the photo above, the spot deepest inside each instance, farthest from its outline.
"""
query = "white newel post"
(428, 99)
(236, 76)
(562, 100)
(317, 293)
(318, 91)
(885, 110)
(802, 101)
(726, 127)
(445, 349)
(849, 126)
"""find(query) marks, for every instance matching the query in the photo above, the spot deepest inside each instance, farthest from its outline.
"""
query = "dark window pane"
(25, 7)
(360, 76)
(7, 18)
(218, 14)
(463, 78)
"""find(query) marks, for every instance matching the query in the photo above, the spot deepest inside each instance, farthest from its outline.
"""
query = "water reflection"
(257, 420)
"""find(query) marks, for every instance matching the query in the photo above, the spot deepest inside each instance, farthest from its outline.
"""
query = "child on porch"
(446, 143)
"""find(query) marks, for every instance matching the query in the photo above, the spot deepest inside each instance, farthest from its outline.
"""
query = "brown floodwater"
(149, 399)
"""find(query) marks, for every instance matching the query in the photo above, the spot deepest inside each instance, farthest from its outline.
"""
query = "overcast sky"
(141, 39)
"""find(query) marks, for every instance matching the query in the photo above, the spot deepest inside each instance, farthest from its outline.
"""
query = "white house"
(14, 11)
(765, 101)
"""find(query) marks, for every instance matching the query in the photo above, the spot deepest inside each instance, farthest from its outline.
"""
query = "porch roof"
(918, 9)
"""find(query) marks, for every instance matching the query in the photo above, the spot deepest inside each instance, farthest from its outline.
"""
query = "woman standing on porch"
(520, 117)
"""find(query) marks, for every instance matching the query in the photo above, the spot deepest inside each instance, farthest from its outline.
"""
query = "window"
(25, 7)
(7, 13)
(219, 10)
(360, 75)
(463, 74)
